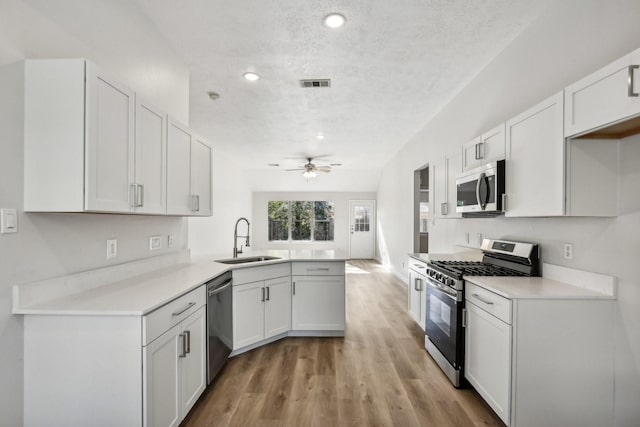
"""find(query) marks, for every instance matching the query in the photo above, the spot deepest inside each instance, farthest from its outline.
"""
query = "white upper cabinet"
(535, 161)
(94, 145)
(110, 142)
(201, 178)
(605, 97)
(444, 186)
(150, 183)
(189, 169)
(485, 149)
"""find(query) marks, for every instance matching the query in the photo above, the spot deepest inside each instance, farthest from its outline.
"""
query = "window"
(301, 221)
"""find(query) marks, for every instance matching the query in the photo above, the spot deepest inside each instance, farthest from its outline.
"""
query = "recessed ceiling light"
(252, 77)
(334, 20)
(273, 164)
(320, 136)
(213, 95)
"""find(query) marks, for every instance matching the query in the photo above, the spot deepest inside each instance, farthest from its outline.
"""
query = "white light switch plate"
(9, 221)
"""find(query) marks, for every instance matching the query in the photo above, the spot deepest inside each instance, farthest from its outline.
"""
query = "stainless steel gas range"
(444, 323)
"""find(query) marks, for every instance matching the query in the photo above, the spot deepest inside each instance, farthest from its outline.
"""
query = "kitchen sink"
(246, 260)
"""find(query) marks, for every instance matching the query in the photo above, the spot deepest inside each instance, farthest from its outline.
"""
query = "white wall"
(572, 39)
(231, 200)
(260, 224)
(115, 36)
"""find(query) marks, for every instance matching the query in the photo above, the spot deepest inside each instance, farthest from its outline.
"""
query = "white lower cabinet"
(116, 370)
(261, 310)
(488, 358)
(417, 298)
(541, 361)
(318, 302)
(174, 369)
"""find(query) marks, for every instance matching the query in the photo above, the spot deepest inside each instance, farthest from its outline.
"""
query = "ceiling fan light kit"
(309, 170)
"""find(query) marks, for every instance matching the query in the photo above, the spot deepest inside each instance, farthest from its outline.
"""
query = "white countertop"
(534, 288)
(139, 294)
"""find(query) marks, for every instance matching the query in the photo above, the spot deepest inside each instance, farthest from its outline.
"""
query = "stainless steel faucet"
(237, 251)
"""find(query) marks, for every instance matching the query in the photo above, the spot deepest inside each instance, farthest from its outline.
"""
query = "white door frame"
(374, 223)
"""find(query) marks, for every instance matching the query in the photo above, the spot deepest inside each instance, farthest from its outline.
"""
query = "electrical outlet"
(154, 243)
(112, 248)
(568, 251)
(170, 241)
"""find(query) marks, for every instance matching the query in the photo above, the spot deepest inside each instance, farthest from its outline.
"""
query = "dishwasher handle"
(214, 291)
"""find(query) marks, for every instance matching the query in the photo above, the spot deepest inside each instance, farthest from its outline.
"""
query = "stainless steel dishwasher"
(219, 323)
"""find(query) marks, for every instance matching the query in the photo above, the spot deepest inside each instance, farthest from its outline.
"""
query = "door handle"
(479, 298)
(268, 293)
(262, 295)
(187, 335)
(184, 345)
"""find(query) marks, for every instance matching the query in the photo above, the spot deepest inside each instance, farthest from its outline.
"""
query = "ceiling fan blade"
(299, 169)
(327, 168)
(323, 170)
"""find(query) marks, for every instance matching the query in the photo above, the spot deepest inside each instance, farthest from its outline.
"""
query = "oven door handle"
(441, 288)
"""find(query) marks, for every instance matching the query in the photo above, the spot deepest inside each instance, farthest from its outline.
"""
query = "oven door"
(443, 323)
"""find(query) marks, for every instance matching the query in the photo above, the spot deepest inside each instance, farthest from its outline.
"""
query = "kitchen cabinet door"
(318, 303)
(444, 179)
(416, 295)
(179, 200)
(201, 179)
(248, 314)
(110, 142)
(193, 370)
(150, 191)
(488, 359)
(487, 148)
(535, 161)
(162, 379)
(277, 313)
(607, 96)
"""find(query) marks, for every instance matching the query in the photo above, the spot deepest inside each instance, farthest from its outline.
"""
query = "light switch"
(9, 220)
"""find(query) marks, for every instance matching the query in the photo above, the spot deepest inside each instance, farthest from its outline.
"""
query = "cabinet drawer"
(321, 268)
(418, 266)
(157, 322)
(265, 272)
(490, 302)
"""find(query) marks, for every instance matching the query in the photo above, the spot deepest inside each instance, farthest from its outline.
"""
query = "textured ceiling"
(393, 66)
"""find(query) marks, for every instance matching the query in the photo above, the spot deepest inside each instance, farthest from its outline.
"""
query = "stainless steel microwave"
(480, 191)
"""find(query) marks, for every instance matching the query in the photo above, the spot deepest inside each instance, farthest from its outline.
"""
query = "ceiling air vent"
(316, 83)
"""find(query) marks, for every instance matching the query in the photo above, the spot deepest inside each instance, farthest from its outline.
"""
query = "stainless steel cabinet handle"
(504, 202)
(139, 195)
(476, 153)
(262, 295)
(184, 345)
(630, 91)
(479, 298)
(294, 288)
(268, 293)
(195, 203)
(132, 195)
(479, 150)
(178, 313)
(318, 269)
(187, 335)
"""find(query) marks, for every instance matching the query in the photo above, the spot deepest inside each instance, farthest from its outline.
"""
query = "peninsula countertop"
(139, 294)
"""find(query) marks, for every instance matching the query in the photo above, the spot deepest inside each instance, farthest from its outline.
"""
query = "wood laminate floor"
(377, 375)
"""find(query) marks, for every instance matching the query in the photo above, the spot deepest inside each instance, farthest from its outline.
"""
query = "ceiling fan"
(309, 169)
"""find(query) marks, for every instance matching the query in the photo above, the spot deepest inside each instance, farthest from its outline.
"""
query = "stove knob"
(439, 277)
(451, 283)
